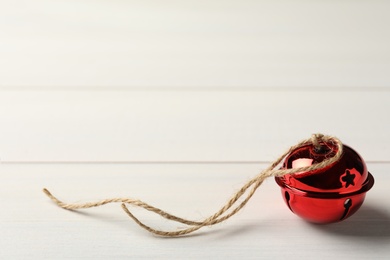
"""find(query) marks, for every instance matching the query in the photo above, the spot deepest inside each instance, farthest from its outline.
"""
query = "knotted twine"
(317, 140)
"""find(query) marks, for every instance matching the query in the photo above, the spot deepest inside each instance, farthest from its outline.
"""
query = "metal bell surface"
(330, 194)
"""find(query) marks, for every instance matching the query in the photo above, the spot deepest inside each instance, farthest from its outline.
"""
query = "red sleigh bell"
(330, 194)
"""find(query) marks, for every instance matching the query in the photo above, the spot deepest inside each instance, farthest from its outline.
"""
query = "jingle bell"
(330, 194)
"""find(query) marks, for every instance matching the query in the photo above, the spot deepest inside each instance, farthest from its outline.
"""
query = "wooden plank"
(33, 227)
(233, 125)
(194, 44)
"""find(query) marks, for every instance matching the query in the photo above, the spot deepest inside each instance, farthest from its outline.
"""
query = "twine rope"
(317, 140)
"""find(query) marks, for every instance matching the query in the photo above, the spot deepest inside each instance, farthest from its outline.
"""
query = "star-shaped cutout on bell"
(348, 178)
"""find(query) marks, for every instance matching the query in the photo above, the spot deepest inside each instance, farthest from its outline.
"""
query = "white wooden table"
(33, 227)
(179, 104)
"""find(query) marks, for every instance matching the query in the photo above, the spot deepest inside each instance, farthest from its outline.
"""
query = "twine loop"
(316, 140)
(231, 207)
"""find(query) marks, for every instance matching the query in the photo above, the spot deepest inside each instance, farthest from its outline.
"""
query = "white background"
(179, 103)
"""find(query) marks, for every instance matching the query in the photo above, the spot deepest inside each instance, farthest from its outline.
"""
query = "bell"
(330, 194)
